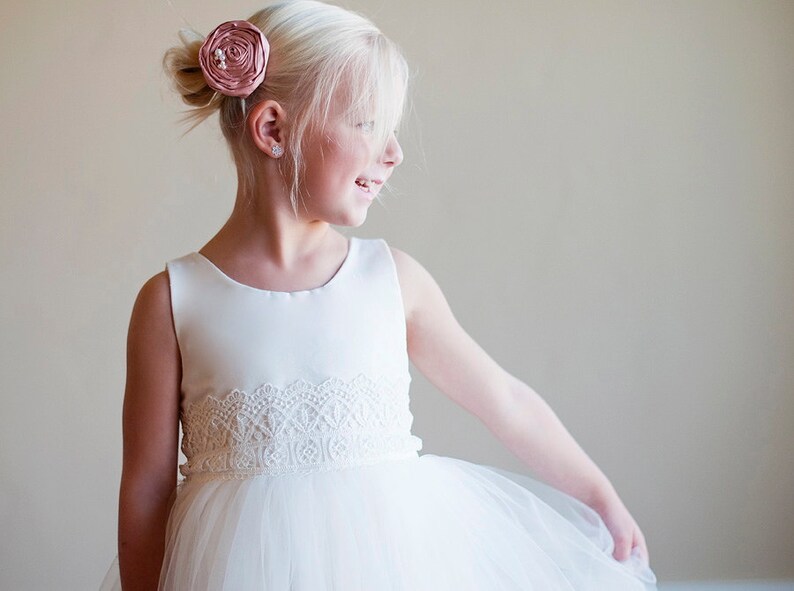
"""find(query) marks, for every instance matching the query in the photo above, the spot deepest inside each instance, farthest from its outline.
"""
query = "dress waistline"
(239, 474)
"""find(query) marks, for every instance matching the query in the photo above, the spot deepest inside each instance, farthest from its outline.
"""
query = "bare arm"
(453, 362)
(150, 432)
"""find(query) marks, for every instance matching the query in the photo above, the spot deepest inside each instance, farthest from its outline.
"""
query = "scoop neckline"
(351, 242)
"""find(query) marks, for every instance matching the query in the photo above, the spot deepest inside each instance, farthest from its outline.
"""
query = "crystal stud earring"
(277, 150)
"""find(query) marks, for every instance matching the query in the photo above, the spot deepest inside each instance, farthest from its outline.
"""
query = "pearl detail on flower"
(220, 58)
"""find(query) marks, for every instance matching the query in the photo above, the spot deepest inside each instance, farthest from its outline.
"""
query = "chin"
(347, 219)
(353, 222)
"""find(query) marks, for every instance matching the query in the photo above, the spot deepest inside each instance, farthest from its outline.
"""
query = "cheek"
(337, 161)
(349, 150)
(330, 175)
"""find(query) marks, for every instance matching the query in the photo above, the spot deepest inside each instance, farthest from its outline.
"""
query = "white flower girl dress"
(302, 473)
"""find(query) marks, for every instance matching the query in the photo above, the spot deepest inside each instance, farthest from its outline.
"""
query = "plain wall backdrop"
(603, 190)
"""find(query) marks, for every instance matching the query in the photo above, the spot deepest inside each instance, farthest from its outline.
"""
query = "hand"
(625, 531)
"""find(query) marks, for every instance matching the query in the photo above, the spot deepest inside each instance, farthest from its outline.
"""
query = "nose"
(393, 153)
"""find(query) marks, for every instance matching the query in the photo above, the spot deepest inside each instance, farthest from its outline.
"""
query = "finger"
(643, 550)
(622, 547)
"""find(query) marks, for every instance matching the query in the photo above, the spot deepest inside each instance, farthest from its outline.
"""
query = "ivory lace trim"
(302, 427)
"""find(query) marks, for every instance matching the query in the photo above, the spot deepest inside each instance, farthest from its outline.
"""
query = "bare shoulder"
(413, 277)
(156, 289)
(404, 261)
(153, 358)
(442, 350)
(152, 308)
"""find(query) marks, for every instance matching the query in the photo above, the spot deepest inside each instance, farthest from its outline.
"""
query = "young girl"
(283, 348)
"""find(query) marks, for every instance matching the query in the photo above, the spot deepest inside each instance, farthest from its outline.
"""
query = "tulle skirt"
(431, 523)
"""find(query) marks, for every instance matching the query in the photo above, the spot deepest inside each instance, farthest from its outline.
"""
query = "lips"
(368, 184)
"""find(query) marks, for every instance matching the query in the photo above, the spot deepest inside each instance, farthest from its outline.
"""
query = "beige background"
(603, 190)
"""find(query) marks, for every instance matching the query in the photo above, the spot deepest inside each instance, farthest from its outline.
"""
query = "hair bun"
(181, 64)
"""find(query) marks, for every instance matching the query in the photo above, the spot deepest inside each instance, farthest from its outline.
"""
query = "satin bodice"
(276, 382)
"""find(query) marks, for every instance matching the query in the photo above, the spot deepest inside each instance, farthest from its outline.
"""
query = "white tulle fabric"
(302, 473)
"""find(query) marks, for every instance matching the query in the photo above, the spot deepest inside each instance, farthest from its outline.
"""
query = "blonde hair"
(316, 51)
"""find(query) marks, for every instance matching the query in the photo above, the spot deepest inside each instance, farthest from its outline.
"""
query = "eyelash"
(370, 125)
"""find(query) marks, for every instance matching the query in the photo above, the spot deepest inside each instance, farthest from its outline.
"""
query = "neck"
(264, 224)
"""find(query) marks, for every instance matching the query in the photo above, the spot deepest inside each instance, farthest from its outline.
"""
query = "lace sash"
(303, 427)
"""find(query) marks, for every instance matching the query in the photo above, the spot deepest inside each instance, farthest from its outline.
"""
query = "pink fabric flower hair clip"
(234, 57)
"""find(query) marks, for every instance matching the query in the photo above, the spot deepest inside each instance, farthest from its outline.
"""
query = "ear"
(265, 124)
